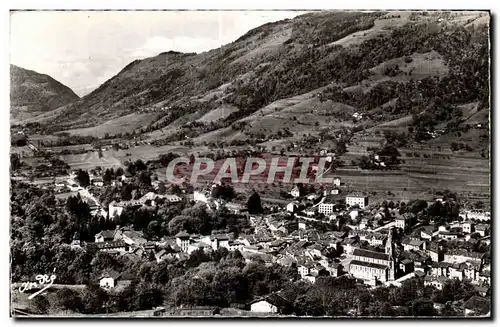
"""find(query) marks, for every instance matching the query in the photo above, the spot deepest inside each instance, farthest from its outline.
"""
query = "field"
(111, 158)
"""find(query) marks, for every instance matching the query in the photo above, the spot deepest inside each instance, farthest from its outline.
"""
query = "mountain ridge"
(33, 93)
(363, 59)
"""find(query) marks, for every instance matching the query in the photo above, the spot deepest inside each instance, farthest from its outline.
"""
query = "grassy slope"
(260, 53)
(32, 94)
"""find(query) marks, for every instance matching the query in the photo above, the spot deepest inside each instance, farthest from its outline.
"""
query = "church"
(372, 265)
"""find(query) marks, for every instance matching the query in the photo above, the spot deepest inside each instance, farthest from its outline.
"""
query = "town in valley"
(398, 130)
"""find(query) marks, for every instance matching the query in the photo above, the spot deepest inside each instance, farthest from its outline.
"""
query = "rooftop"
(371, 254)
(368, 264)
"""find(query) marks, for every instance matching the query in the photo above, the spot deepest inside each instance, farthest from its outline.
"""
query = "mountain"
(32, 93)
(414, 73)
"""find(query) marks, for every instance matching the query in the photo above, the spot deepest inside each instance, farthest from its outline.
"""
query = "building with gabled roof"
(273, 303)
(437, 282)
(412, 244)
(372, 265)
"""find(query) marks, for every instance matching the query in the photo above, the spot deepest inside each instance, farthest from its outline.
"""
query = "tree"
(161, 188)
(140, 165)
(40, 304)
(254, 205)
(417, 206)
(422, 308)
(15, 161)
(148, 296)
(67, 299)
(83, 178)
(144, 178)
(448, 310)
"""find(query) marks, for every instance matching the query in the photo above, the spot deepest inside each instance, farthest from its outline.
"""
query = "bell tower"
(389, 249)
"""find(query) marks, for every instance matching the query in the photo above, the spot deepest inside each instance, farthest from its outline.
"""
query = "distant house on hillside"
(359, 200)
(109, 279)
(295, 192)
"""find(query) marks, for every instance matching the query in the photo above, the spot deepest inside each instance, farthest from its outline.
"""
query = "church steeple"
(389, 249)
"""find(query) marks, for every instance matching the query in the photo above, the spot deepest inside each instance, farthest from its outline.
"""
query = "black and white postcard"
(256, 164)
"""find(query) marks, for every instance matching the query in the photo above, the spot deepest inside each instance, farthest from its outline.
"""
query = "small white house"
(109, 279)
(263, 306)
(172, 198)
(115, 209)
(291, 207)
(295, 192)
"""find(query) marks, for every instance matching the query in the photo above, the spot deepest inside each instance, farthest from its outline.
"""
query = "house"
(182, 240)
(350, 244)
(476, 214)
(310, 278)
(399, 222)
(483, 229)
(456, 271)
(311, 212)
(412, 244)
(359, 200)
(460, 256)
(313, 197)
(129, 236)
(440, 269)
(468, 227)
(295, 192)
(335, 269)
(189, 311)
(105, 236)
(273, 303)
(434, 250)
(477, 306)
(221, 240)
(450, 235)
(335, 191)
(291, 207)
(115, 209)
(428, 232)
(437, 282)
(326, 208)
(109, 279)
(235, 208)
(112, 247)
(304, 269)
(363, 223)
(156, 185)
(471, 270)
(377, 239)
(485, 277)
(406, 266)
(161, 255)
(354, 214)
(336, 181)
(172, 198)
(201, 196)
(98, 181)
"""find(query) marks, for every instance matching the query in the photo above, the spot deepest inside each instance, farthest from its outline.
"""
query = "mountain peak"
(32, 93)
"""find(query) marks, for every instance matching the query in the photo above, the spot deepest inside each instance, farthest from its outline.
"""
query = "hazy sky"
(82, 49)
